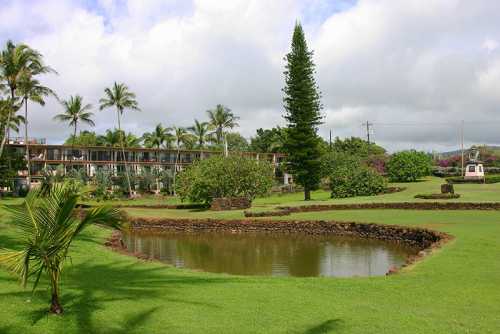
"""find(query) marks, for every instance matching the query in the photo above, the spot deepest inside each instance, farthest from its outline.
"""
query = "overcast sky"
(413, 68)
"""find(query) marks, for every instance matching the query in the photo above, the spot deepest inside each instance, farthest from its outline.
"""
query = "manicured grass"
(455, 290)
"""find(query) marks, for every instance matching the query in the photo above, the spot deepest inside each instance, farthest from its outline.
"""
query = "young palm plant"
(221, 118)
(47, 225)
(30, 89)
(121, 98)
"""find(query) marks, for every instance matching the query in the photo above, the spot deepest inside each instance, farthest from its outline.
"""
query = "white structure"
(474, 169)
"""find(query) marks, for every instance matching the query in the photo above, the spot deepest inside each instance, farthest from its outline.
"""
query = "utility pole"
(368, 125)
(462, 144)
(330, 139)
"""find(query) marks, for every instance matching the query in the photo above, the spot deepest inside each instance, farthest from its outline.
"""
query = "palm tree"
(157, 137)
(15, 120)
(110, 138)
(201, 131)
(181, 137)
(130, 140)
(221, 118)
(48, 224)
(75, 111)
(121, 98)
(30, 89)
(18, 62)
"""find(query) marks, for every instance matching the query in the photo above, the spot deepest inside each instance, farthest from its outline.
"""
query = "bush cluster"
(347, 181)
(408, 166)
(233, 176)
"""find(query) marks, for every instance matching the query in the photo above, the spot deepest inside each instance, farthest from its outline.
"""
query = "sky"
(415, 69)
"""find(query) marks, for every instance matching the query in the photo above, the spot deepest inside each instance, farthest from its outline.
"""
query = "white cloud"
(384, 61)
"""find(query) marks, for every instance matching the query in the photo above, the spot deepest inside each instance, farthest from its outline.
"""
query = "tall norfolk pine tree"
(302, 111)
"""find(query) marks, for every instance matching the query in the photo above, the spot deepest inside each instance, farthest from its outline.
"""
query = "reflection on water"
(271, 254)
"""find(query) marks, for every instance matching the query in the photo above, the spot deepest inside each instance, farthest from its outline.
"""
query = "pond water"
(267, 254)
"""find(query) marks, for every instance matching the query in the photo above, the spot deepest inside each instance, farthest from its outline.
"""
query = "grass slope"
(453, 291)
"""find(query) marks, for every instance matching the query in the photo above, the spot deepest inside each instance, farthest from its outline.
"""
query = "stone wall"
(230, 203)
(399, 206)
(416, 237)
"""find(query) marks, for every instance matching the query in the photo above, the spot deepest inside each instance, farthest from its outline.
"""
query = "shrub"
(437, 196)
(332, 161)
(350, 180)
(103, 183)
(408, 166)
(487, 179)
(218, 176)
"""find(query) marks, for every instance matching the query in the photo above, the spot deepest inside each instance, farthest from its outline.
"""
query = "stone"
(230, 203)
(447, 188)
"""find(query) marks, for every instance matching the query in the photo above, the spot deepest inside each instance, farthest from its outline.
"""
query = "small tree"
(408, 166)
(302, 105)
(48, 226)
(218, 176)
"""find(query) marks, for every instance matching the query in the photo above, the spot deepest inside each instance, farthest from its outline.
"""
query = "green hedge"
(487, 179)
(437, 196)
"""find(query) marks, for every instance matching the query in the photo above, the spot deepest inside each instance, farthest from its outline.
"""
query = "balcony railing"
(31, 141)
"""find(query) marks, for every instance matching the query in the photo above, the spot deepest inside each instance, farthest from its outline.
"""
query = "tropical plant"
(10, 163)
(15, 120)
(302, 112)
(181, 137)
(48, 225)
(268, 140)
(75, 111)
(201, 131)
(157, 138)
(111, 138)
(120, 97)
(103, 183)
(408, 166)
(217, 176)
(84, 138)
(17, 63)
(30, 89)
(221, 118)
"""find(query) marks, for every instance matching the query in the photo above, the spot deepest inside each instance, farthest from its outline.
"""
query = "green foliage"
(334, 160)
(348, 177)
(217, 176)
(121, 181)
(268, 140)
(48, 225)
(408, 166)
(84, 138)
(10, 162)
(236, 142)
(437, 196)
(103, 184)
(356, 146)
(487, 179)
(302, 111)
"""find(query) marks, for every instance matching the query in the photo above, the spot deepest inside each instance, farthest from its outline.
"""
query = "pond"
(294, 254)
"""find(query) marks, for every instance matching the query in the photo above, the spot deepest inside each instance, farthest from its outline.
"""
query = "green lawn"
(455, 290)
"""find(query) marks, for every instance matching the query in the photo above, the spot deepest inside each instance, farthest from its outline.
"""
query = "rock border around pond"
(423, 239)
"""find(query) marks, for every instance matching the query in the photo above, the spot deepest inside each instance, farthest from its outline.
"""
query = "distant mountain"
(493, 148)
